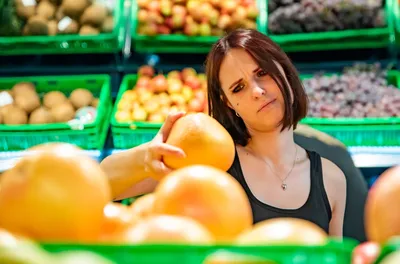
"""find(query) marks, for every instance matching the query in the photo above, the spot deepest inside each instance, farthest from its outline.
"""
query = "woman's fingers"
(164, 131)
(159, 168)
(162, 149)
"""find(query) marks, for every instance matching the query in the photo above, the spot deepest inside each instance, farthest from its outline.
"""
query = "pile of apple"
(195, 17)
(154, 96)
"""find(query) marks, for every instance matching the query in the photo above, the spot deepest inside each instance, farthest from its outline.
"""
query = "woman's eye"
(238, 88)
(261, 73)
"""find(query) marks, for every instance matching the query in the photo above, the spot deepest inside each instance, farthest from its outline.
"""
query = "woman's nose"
(257, 91)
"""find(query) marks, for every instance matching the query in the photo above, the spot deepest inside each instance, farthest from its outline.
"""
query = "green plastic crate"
(361, 131)
(92, 136)
(332, 253)
(345, 39)
(128, 135)
(181, 43)
(69, 44)
(396, 20)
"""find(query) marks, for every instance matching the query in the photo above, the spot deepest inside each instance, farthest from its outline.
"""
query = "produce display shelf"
(175, 43)
(69, 44)
(367, 131)
(87, 136)
(344, 39)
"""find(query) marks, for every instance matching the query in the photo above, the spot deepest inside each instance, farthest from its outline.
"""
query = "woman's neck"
(274, 147)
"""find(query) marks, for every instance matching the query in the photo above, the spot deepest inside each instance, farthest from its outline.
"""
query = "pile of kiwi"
(57, 17)
(29, 107)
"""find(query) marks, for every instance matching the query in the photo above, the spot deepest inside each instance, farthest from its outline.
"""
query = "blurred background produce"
(306, 16)
(23, 104)
(155, 95)
(57, 17)
(195, 17)
(360, 91)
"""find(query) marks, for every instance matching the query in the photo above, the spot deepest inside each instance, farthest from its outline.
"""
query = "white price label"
(64, 23)
(5, 99)
(29, 2)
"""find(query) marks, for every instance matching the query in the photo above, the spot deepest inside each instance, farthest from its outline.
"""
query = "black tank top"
(316, 209)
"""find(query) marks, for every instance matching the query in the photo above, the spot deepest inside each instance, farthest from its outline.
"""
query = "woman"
(255, 92)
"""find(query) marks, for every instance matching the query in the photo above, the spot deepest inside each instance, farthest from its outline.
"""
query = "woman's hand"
(157, 148)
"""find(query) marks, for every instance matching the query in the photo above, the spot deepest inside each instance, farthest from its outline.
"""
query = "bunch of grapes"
(361, 91)
(302, 16)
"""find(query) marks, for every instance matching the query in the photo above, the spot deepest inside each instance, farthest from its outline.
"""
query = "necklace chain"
(283, 185)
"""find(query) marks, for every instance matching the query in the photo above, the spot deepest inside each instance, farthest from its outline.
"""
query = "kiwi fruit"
(41, 116)
(23, 88)
(88, 30)
(63, 112)
(74, 8)
(54, 98)
(52, 27)
(14, 115)
(27, 102)
(95, 102)
(46, 10)
(108, 25)
(68, 26)
(81, 97)
(94, 15)
(37, 25)
(25, 11)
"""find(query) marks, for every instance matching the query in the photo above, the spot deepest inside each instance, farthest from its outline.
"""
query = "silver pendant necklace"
(284, 186)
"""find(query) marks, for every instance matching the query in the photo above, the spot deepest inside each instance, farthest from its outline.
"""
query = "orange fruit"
(283, 231)
(55, 193)
(382, 219)
(166, 229)
(143, 206)
(204, 140)
(208, 195)
(117, 218)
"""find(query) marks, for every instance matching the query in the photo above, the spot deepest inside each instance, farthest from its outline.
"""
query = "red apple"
(202, 77)
(143, 81)
(249, 24)
(177, 99)
(154, 6)
(124, 105)
(239, 15)
(229, 6)
(193, 82)
(215, 3)
(174, 86)
(123, 116)
(174, 74)
(146, 70)
(149, 29)
(139, 114)
(224, 21)
(179, 10)
(196, 105)
(213, 17)
(187, 93)
(156, 118)
(248, 3)
(252, 11)
(143, 3)
(178, 21)
(169, 22)
(193, 5)
(188, 71)
(200, 95)
(145, 96)
(164, 100)
(366, 253)
(163, 30)
(143, 16)
(205, 29)
(166, 7)
(155, 17)
(191, 29)
(189, 20)
(151, 106)
(159, 84)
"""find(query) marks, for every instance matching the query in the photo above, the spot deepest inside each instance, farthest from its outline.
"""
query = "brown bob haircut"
(267, 55)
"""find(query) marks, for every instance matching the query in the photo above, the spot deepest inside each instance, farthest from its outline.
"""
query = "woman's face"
(251, 92)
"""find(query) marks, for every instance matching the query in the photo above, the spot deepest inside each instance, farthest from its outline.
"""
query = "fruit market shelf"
(364, 157)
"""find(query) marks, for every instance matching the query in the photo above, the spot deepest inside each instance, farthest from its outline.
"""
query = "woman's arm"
(125, 170)
(335, 185)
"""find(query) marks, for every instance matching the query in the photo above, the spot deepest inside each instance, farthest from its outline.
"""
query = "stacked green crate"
(344, 39)
(88, 136)
(66, 43)
(179, 43)
(332, 252)
(396, 20)
(368, 131)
